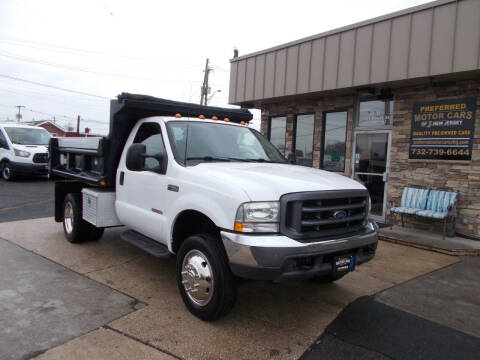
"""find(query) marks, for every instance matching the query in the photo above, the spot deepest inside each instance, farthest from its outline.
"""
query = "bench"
(432, 204)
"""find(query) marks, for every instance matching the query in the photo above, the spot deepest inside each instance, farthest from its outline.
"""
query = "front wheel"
(7, 172)
(76, 229)
(204, 278)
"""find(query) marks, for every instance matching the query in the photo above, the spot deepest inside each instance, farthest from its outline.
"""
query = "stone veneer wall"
(463, 177)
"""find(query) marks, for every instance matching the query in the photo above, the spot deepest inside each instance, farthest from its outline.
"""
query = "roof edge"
(392, 15)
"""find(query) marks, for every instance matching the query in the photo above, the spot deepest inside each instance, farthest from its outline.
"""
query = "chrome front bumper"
(276, 257)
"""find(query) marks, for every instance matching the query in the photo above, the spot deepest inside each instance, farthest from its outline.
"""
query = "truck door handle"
(122, 177)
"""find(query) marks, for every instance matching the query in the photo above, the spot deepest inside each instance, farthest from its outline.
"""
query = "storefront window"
(278, 126)
(375, 113)
(304, 126)
(335, 131)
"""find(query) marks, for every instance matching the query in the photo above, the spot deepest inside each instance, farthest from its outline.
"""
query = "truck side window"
(150, 134)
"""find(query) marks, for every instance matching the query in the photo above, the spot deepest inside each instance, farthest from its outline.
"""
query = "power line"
(86, 51)
(43, 97)
(73, 68)
(53, 87)
(56, 115)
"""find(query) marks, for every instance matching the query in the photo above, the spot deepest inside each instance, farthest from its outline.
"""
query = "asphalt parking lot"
(26, 199)
(109, 300)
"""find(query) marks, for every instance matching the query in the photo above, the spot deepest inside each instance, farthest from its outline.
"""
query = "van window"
(3, 140)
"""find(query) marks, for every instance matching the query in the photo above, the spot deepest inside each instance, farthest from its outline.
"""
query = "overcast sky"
(159, 48)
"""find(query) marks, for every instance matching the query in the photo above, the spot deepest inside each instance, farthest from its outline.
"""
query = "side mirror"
(136, 157)
(292, 158)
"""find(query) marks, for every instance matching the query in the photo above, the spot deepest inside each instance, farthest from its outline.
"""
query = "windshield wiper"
(208, 158)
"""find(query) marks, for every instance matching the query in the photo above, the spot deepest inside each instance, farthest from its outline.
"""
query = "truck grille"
(320, 214)
(40, 158)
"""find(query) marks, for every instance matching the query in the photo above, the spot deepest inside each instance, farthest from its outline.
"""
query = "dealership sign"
(443, 129)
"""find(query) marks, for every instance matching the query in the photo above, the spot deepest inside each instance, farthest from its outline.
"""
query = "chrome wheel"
(68, 218)
(197, 279)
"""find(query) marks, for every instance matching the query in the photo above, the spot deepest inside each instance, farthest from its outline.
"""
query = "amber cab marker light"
(238, 226)
(201, 116)
(226, 119)
(102, 183)
(214, 118)
(178, 115)
(242, 122)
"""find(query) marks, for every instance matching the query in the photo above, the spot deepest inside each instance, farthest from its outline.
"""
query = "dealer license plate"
(343, 264)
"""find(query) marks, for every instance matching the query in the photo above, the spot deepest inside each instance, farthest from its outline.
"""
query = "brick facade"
(463, 177)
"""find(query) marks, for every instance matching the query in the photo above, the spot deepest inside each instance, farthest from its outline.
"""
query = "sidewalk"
(430, 241)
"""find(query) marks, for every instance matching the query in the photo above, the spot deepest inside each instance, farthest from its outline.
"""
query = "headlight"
(258, 217)
(21, 153)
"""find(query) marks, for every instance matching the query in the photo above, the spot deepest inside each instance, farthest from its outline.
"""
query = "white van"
(23, 150)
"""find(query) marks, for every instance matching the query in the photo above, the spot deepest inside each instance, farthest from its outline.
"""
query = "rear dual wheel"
(76, 229)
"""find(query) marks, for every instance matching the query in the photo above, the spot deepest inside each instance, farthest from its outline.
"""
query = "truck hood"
(264, 182)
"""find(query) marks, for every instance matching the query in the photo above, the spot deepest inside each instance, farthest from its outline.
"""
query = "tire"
(202, 263)
(75, 228)
(7, 172)
(329, 278)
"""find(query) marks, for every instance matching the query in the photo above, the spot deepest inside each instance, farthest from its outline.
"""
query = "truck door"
(141, 195)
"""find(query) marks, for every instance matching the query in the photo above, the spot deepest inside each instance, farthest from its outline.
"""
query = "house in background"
(57, 130)
(53, 128)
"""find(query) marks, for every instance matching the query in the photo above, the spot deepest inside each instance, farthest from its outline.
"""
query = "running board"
(145, 243)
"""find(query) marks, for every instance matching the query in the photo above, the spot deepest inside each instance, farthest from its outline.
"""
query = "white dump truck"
(197, 183)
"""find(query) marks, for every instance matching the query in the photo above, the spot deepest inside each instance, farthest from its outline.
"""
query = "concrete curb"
(452, 252)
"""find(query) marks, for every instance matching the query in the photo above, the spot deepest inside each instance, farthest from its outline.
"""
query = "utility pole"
(204, 90)
(19, 115)
(78, 124)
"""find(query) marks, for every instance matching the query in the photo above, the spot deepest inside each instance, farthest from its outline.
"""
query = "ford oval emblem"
(340, 214)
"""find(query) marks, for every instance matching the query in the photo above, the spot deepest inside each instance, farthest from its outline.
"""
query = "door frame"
(387, 166)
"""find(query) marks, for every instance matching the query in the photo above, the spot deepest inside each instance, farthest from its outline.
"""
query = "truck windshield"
(27, 136)
(193, 142)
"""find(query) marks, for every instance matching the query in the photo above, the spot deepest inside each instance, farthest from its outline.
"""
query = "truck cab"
(217, 195)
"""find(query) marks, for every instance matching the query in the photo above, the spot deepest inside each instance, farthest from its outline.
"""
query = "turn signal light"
(238, 226)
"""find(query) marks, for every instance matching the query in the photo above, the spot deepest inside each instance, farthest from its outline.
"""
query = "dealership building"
(390, 101)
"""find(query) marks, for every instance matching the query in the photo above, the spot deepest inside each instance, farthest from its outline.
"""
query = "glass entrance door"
(371, 164)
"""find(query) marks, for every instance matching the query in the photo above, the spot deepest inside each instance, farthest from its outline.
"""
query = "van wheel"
(204, 278)
(7, 173)
(76, 229)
